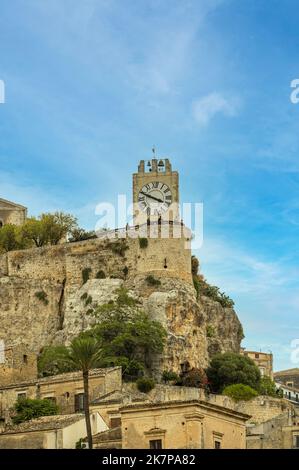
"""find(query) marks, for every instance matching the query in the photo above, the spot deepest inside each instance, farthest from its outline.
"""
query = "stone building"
(12, 213)
(66, 390)
(164, 409)
(288, 377)
(264, 361)
(50, 432)
(168, 418)
(182, 425)
(279, 432)
(289, 393)
(17, 365)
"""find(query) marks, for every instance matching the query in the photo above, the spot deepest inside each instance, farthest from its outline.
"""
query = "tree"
(57, 226)
(26, 409)
(34, 230)
(85, 353)
(10, 238)
(51, 361)
(240, 392)
(232, 368)
(267, 387)
(79, 234)
(128, 337)
(48, 228)
(195, 378)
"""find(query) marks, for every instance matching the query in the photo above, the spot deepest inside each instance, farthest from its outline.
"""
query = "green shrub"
(267, 387)
(42, 296)
(100, 275)
(85, 274)
(210, 331)
(119, 247)
(194, 265)
(152, 281)
(203, 288)
(169, 376)
(232, 368)
(51, 361)
(240, 392)
(81, 444)
(145, 384)
(143, 242)
(26, 409)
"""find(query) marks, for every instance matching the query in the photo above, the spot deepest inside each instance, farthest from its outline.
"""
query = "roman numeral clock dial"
(155, 198)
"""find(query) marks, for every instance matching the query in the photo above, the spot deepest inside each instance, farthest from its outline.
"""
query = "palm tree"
(85, 353)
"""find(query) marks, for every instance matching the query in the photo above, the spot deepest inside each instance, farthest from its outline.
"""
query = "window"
(262, 371)
(115, 422)
(79, 402)
(217, 444)
(296, 441)
(256, 355)
(290, 384)
(25, 359)
(156, 444)
(21, 395)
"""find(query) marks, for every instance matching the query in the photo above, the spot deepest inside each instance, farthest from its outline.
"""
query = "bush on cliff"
(145, 384)
(128, 337)
(267, 387)
(26, 409)
(240, 392)
(194, 378)
(232, 368)
(202, 287)
(51, 361)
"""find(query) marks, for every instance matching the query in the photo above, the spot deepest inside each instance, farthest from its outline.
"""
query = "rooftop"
(45, 423)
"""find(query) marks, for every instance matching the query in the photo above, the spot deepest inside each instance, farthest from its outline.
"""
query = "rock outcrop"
(46, 301)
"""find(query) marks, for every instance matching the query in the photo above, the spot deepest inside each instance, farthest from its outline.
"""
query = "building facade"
(11, 213)
(264, 361)
(288, 377)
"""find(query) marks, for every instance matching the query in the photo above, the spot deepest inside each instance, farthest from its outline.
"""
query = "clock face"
(155, 198)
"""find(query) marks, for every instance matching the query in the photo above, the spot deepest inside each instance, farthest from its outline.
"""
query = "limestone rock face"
(196, 329)
(25, 319)
(81, 302)
(224, 330)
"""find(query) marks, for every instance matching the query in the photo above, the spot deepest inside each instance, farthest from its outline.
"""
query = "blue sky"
(91, 86)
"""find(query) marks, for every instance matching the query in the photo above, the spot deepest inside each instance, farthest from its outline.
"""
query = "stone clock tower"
(155, 192)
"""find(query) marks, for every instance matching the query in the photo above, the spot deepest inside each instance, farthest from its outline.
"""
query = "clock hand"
(152, 197)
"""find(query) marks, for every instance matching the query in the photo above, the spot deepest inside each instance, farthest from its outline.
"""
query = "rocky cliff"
(43, 300)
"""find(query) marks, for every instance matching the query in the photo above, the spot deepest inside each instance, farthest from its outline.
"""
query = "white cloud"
(205, 108)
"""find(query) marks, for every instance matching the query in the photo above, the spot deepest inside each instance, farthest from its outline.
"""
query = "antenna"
(154, 151)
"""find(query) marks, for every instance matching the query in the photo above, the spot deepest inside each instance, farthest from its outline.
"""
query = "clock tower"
(155, 192)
